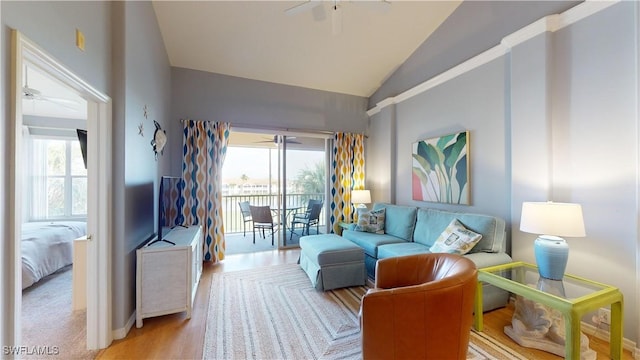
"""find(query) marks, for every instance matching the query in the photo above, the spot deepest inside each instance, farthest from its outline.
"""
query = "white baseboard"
(603, 334)
(122, 332)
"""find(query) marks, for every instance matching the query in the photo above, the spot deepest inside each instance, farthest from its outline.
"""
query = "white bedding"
(47, 247)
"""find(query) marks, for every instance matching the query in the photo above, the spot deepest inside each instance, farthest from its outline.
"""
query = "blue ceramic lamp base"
(552, 253)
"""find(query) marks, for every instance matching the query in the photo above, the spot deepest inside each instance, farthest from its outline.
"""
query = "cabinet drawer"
(164, 284)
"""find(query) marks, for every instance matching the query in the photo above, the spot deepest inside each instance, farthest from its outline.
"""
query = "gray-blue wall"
(579, 84)
(554, 118)
(248, 103)
(142, 76)
(472, 28)
(51, 25)
(125, 59)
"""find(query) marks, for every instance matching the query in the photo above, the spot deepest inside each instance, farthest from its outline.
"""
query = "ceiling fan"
(29, 93)
(277, 139)
(315, 6)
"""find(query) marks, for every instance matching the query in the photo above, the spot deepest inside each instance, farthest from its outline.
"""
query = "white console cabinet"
(167, 275)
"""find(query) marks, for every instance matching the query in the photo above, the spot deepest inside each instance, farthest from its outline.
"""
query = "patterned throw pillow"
(371, 221)
(455, 239)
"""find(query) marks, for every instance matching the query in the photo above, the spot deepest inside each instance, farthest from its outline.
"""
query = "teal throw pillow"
(371, 221)
(455, 239)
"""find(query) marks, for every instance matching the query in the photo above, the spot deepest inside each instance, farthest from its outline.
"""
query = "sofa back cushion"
(431, 223)
(399, 220)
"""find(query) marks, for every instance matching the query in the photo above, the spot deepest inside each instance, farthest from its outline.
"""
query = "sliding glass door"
(302, 183)
(284, 172)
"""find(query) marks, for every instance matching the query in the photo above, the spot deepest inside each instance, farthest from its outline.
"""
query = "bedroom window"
(59, 180)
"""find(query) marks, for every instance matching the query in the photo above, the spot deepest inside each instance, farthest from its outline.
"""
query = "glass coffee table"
(573, 297)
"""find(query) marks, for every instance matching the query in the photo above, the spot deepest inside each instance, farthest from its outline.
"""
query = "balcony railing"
(233, 216)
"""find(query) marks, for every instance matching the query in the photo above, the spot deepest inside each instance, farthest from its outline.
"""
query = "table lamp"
(360, 197)
(551, 220)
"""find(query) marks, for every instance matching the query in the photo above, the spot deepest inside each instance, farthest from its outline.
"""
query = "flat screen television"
(168, 206)
(82, 139)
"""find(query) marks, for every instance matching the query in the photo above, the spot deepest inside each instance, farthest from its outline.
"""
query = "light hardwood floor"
(175, 337)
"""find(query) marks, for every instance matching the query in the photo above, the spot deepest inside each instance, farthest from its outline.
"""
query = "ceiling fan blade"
(35, 94)
(288, 140)
(319, 14)
(278, 140)
(30, 93)
(380, 6)
(267, 140)
(57, 102)
(300, 8)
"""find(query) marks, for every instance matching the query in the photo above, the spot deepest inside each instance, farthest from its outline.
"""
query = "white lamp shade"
(552, 218)
(360, 197)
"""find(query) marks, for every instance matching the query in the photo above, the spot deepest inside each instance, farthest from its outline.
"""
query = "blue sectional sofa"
(412, 230)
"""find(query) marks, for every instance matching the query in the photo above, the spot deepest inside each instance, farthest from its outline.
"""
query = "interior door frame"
(99, 218)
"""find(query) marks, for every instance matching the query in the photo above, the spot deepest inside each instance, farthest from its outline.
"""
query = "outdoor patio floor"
(237, 243)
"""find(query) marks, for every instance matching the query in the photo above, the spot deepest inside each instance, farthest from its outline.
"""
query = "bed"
(47, 247)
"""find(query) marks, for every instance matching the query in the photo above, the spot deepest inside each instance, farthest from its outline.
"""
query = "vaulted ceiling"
(264, 40)
(351, 50)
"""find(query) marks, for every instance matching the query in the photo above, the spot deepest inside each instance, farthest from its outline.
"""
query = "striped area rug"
(274, 313)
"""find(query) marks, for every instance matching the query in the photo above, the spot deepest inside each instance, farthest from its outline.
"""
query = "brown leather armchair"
(421, 308)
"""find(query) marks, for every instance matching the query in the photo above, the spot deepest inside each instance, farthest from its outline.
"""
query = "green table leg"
(572, 335)
(615, 339)
(477, 314)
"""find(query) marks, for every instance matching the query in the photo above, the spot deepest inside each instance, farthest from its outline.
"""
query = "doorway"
(276, 169)
(54, 220)
(98, 248)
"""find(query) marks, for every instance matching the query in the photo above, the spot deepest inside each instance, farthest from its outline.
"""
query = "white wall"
(552, 116)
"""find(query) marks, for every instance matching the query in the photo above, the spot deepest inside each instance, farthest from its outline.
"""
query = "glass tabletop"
(570, 287)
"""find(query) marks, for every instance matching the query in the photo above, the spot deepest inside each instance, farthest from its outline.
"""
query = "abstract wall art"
(440, 169)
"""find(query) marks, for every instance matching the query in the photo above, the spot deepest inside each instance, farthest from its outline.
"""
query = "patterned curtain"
(347, 173)
(204, 148)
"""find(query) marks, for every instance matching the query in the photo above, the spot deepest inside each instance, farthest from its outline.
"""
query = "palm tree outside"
(310, 182)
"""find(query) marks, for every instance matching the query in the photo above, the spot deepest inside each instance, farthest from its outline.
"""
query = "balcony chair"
(420, 308)
(262, 220)
(246, 215)
(307, 219)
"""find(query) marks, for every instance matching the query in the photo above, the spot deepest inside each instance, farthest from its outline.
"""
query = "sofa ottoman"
(332, 262)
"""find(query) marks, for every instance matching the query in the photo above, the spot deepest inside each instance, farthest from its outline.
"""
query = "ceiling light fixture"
(336, 11)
